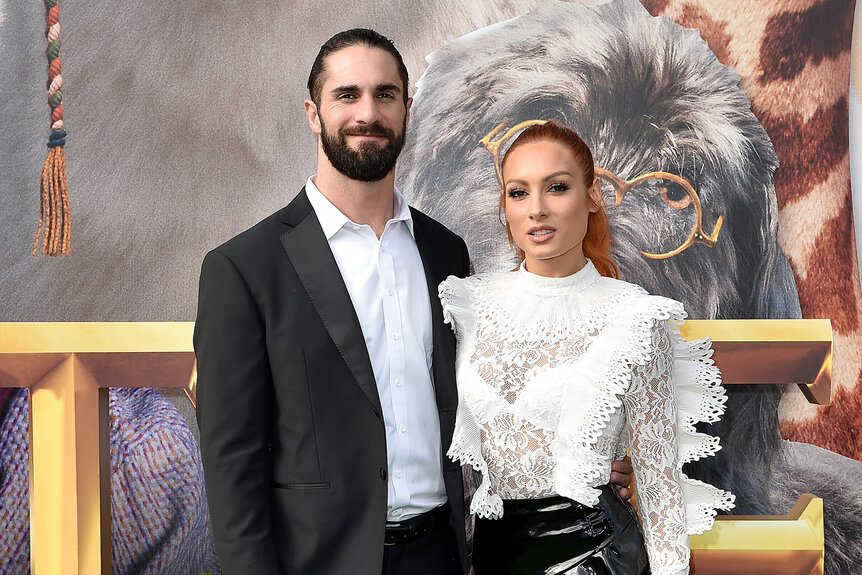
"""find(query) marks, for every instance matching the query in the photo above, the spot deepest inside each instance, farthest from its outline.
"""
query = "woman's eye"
(558, 187)
(516, 193)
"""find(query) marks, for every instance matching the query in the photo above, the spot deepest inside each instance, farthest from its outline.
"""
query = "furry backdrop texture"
(186, 127)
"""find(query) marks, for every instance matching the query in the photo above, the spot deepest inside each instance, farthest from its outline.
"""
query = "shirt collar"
(332, 219)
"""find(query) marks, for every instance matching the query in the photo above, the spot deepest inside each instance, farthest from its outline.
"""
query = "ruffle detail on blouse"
(486, 295)
(603, 376)
(625, 343)
(455, 297)
(466, 448)
(699, 398)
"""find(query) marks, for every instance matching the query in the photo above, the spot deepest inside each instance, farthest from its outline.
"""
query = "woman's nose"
(538, 207)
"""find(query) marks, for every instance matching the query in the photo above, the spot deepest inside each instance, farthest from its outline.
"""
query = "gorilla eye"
(673, 194)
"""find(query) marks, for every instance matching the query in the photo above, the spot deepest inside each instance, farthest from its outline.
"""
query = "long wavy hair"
(598, 240)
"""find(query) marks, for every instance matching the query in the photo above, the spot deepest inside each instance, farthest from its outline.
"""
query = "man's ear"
(313, 116)
(595, 194)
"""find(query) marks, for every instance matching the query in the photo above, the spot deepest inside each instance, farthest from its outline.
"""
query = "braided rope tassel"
(54, 205)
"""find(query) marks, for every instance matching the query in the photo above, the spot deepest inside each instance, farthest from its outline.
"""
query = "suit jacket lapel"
(443, 362)
(309, 252)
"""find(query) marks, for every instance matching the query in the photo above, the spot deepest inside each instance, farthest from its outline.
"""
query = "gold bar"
(96, 337)
(789, 544)
(118, 354)
(70, 526)
(776, 351)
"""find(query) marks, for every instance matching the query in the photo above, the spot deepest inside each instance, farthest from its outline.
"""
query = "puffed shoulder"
(456, 297)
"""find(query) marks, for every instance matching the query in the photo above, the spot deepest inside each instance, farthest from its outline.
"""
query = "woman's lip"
(541, 237)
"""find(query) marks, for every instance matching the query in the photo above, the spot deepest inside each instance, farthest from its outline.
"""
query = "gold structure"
(771, 351)
(789, 544)
(68, 366)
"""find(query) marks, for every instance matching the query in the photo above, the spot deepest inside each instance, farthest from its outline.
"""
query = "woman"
(560, 368)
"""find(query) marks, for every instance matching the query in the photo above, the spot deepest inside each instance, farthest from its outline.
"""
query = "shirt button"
(355, 228)
(399, 473)
(388, 291)
(403, 429)
(394, 336)
(398, 383)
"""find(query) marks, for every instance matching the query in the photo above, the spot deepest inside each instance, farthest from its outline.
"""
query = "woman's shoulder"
(632, 300)
(464, 299)
(458, 297)
(472, 286)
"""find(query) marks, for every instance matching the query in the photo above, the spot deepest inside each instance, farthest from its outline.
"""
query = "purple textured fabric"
(14, 489)
(160, 522)
(5, 394)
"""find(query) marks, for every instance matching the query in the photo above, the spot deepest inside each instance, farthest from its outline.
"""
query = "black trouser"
(556, 535)
(433, 553)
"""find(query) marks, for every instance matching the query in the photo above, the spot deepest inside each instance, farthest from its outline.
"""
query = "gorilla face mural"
(648, 96)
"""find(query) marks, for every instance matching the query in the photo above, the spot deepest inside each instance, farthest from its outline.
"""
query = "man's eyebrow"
(388, 88)
(355, 88)
(346, 88)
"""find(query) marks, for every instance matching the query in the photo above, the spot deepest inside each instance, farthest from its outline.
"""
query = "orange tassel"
(54, 209)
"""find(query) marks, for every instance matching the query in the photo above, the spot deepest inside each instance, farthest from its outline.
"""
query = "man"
(326, 375)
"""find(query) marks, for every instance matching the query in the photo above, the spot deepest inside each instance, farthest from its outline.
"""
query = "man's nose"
(367, 110)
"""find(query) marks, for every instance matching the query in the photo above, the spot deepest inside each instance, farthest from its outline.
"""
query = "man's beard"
(368, 163)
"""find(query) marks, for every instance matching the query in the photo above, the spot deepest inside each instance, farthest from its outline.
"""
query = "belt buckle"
(398, 533)
(405, 532)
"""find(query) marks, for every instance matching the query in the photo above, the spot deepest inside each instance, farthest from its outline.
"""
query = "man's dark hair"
(357, 36)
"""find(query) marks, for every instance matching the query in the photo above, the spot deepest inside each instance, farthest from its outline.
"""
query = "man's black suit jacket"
(292, 433)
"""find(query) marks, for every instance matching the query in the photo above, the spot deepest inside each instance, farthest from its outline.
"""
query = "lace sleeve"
(651, 413)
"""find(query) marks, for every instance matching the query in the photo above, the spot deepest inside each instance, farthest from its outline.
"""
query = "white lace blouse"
(557, 376)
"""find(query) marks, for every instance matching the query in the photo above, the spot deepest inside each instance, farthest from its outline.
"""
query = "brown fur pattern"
(794, 59)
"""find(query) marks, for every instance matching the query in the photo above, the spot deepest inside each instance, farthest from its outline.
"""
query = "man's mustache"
(375, 129)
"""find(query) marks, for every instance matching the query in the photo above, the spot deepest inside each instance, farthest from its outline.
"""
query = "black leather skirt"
(556, 535)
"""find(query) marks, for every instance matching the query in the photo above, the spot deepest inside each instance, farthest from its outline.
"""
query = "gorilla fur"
(646, 94)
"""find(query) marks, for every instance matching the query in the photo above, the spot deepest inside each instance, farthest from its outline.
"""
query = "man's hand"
(621, 475)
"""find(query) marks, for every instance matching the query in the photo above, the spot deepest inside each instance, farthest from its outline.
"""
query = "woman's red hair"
(597, 241)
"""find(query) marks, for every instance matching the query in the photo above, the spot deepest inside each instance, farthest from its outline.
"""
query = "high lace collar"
(545, 285)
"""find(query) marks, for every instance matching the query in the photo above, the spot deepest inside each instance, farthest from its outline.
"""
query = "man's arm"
(234, 403)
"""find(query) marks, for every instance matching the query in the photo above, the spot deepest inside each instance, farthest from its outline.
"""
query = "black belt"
(411, 529)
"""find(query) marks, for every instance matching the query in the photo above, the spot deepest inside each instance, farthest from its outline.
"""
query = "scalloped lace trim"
(700, 397)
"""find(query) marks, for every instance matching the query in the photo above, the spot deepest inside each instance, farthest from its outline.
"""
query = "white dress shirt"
(386, 282)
